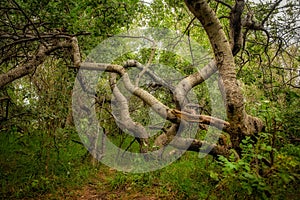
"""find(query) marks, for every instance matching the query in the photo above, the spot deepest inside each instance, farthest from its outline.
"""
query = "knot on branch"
(255, 125)
(131, 63)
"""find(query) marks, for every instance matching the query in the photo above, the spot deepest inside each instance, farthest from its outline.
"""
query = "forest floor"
(99, 188)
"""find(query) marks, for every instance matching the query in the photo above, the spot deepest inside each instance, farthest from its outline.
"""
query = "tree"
(26, 46)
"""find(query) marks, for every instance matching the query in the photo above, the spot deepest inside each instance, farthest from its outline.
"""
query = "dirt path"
(99, 188)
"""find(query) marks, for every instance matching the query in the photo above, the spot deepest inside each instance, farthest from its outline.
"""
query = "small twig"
(128, 147)
(29, 20)
(271, 11)
(225, 4)
(147, 65)
(186, 30)
(190, 47)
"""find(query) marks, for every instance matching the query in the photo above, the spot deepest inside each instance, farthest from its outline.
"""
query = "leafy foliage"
(41, 153)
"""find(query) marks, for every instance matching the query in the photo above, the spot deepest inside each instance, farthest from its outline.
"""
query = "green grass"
(36, 166)
(31, 165)
(187, 178)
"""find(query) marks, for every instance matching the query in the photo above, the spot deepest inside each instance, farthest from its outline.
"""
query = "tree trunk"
(240, 123)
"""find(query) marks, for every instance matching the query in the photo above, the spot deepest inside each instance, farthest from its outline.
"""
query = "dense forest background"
(44, 157)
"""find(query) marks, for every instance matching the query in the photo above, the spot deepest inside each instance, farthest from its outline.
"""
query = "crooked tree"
(25, 47)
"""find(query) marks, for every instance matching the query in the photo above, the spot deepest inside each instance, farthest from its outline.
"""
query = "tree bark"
(42, 53)
(240, 123)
